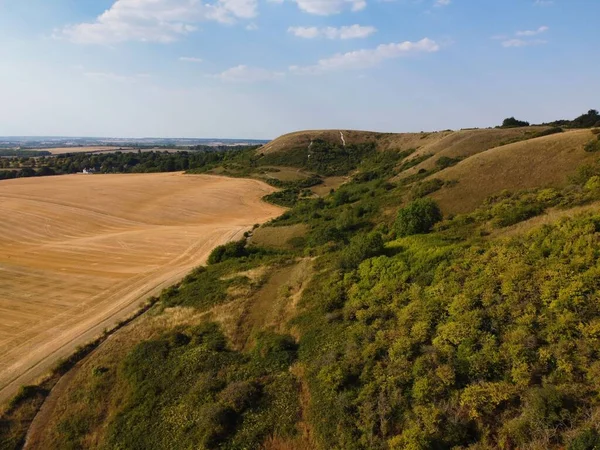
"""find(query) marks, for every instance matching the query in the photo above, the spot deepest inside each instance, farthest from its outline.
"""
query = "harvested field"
(91, 149)
(78, 253)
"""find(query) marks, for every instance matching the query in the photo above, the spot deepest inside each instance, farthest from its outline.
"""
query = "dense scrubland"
(410, 327)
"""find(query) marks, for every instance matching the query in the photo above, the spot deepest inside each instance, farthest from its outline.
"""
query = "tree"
(361, 247)
(511, 122)
(418, 217)
(586, 120)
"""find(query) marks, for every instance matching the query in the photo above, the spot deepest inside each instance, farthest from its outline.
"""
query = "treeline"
(589, 120)
(117, 162)
(10, 153)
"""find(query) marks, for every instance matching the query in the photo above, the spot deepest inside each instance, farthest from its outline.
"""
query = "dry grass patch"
(542, 162)
(278, 237)
(465, 143)
(329, 183)
(283, 173)
(270, 307)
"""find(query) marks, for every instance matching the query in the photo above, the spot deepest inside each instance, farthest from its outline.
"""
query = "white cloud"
(245, 74)
(540, 30)
(345, 32)
(327, 7)
(522, 42)
(522, 38)
(442, 2)
(155, 20)
(543, 2)
(305, 32)
(361, 59)
(190, 59)
(252, 27)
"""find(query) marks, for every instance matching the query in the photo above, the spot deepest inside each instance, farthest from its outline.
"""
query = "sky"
(262, 68)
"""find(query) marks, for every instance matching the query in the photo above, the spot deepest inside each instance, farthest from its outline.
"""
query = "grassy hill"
(541, 162)
(460, 143)
(441, 294)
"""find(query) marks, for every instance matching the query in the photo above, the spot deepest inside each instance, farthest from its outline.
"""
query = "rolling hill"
(421, 291)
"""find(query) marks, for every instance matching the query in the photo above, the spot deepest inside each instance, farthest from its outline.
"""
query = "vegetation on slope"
(416, 332)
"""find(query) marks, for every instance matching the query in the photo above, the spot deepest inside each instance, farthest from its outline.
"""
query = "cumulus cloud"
(361, 59)
(246, 74)
(540, 30)
(155, 20)
(345, 32)
(327, 7)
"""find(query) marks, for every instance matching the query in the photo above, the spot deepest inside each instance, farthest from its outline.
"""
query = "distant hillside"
(467, 141)
(477, 162)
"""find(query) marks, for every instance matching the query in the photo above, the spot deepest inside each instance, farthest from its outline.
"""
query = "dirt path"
(71, 267)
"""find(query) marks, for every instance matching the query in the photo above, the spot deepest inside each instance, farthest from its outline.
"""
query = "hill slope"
(542, 162)
(363, 318)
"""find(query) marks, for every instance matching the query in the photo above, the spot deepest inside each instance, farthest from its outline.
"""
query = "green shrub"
(194, 392)
(515, 213)
(445, 161)
(424, 188)
(414, 162)
(231, 250)
(240, 395)
(548, 132)
(593, 145)
(361, 247)
(417, 217)
(588, 439)
(26, 393)
(286, 198)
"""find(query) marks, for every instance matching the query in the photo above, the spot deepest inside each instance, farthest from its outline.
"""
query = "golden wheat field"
(78, 253)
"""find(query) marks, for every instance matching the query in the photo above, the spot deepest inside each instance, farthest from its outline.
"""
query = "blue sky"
(261, 68)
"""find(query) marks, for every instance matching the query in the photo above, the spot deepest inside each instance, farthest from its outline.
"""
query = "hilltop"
(473, 163)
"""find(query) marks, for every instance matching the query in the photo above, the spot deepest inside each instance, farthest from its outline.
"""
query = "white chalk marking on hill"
(343, 140)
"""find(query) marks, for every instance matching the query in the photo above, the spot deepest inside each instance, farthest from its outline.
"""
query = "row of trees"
(117, 162)
(588, 120)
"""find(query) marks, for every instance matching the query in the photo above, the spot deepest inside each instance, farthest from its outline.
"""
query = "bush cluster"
(417, 217)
